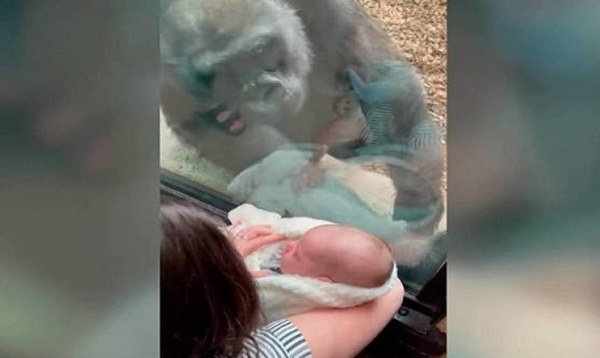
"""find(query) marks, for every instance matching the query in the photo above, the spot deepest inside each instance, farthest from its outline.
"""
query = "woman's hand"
(252, 238)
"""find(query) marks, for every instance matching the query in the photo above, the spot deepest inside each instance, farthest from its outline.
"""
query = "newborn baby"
(334, 253)
(321, 264)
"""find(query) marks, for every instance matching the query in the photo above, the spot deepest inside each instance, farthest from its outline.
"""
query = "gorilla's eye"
(279, 66)
(204, 79)
(260, 48)
(282, 65)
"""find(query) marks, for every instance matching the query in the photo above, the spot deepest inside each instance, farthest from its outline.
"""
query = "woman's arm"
(343, 333)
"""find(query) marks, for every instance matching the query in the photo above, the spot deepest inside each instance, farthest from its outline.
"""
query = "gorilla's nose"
(270, 86)
(273, 91)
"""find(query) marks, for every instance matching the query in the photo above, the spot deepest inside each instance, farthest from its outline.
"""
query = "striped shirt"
(279, 339)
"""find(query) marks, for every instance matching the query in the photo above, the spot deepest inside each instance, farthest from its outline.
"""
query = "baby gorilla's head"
(341, 254)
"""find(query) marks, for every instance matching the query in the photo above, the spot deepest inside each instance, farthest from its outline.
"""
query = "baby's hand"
(253, 238)
(261, 273)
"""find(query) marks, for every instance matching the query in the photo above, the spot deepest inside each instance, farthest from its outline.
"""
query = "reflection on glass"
(346, 139)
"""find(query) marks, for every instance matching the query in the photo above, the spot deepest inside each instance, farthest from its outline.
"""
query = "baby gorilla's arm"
(311, 174)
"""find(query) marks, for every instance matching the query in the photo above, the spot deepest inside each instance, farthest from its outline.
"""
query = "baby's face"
(298, 258)
(339, 254)
(311, 254)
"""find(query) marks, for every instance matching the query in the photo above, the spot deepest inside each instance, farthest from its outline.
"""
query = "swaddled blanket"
(283, 295)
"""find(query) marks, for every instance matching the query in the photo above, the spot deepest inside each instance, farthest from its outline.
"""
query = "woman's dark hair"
(208, 301)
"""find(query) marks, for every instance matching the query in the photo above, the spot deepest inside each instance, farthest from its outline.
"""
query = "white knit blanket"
(284, 295)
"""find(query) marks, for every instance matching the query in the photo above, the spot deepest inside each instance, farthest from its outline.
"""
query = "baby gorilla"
(340, 254)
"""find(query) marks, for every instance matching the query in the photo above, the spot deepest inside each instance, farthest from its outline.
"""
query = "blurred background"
(79, 178)
(524, 179)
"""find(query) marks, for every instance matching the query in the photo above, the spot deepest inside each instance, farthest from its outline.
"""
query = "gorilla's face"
(257, 67)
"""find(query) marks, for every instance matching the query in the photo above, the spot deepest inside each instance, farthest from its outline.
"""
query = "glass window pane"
(315, 115)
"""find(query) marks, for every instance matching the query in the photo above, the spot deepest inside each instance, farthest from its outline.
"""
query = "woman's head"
(208, 301)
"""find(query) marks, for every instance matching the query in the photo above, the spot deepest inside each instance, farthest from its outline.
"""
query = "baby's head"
(341, 254)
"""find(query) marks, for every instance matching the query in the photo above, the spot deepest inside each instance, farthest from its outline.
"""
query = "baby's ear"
(324, 278)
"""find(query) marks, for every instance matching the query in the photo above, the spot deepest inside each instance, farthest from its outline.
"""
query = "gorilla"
(241, 78)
